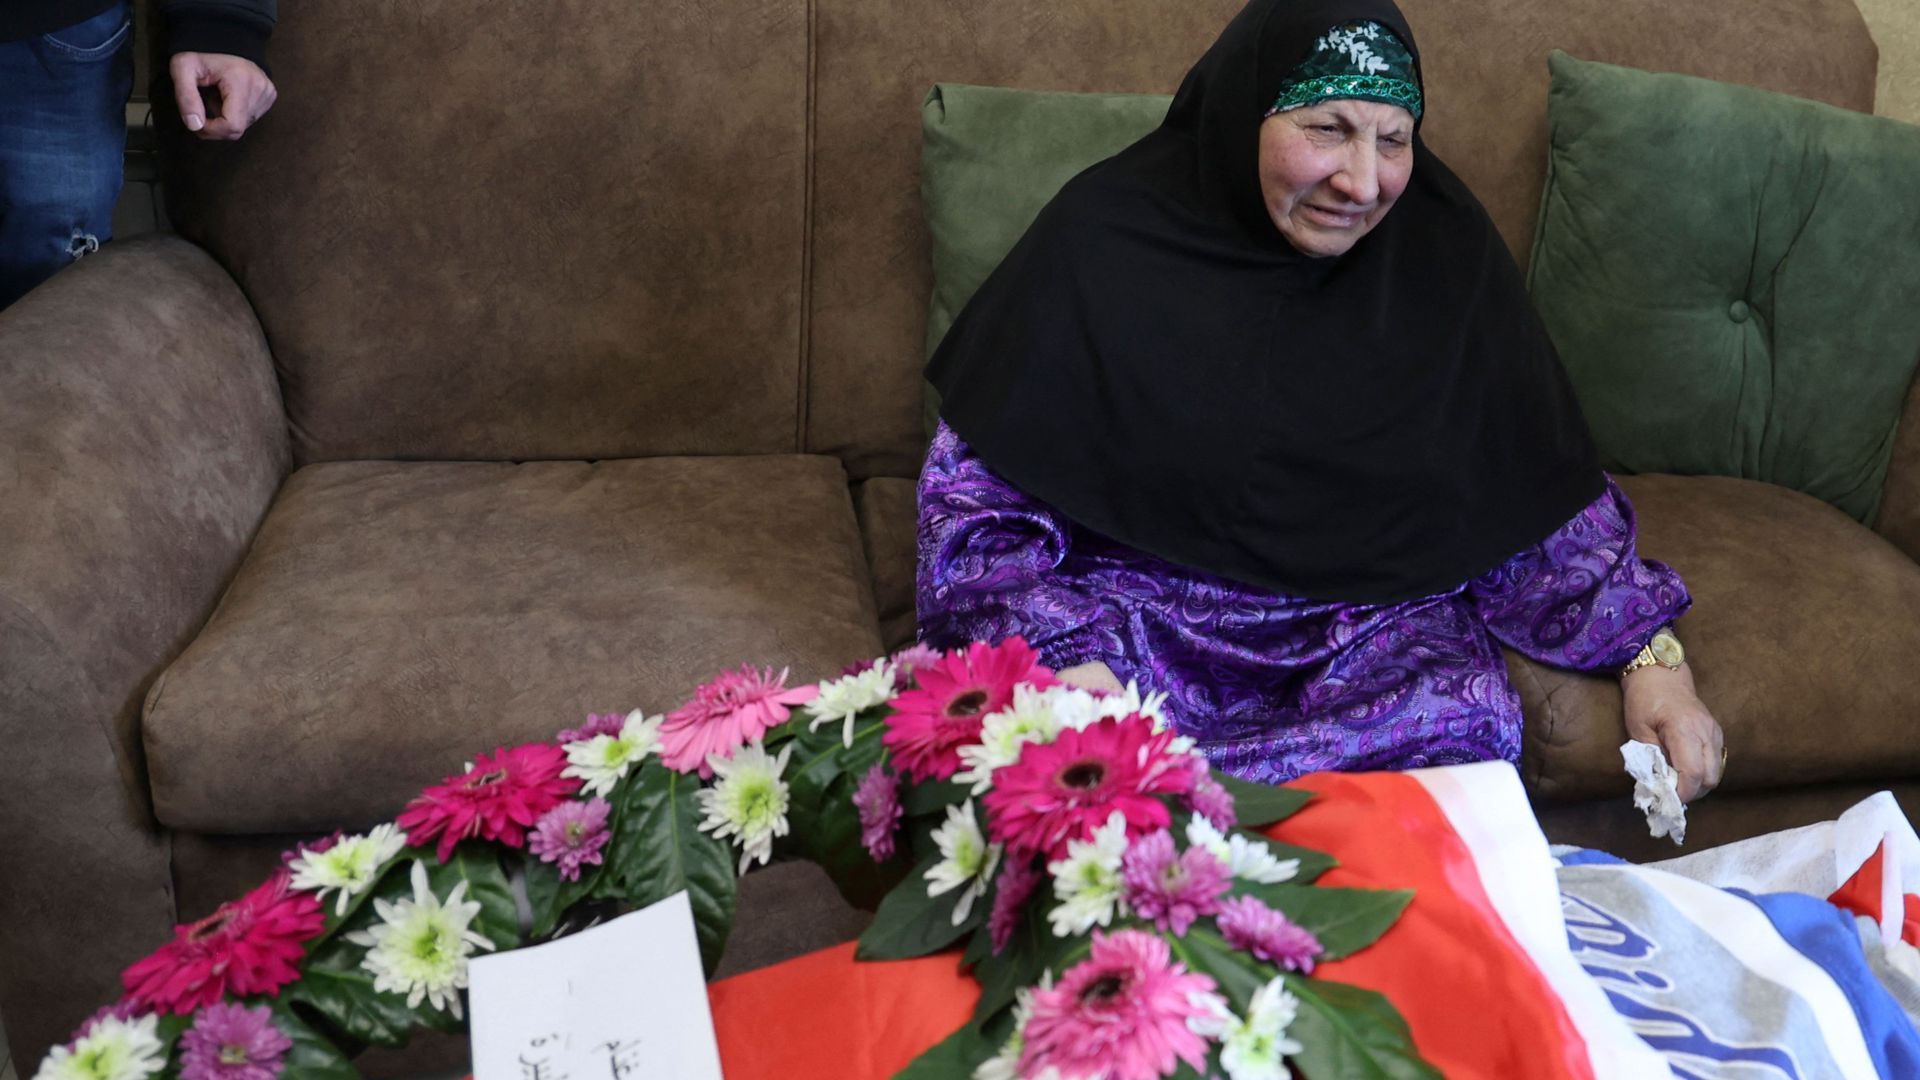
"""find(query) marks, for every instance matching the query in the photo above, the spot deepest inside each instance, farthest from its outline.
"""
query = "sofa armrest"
(141, 439)
(1899, 517)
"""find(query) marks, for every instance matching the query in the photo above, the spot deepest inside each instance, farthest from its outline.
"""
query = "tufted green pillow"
(1732, 277)
(990, 159)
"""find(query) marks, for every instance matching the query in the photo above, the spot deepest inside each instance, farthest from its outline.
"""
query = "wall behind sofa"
(1895, 25)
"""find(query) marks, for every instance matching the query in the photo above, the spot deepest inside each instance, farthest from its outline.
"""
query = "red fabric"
(1862, 892)
(1478, 1006)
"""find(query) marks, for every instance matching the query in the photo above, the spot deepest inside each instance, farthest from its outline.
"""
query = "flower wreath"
(1121, 913)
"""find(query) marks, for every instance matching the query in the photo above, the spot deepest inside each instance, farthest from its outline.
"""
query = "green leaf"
(910, 923)
(1345, 920)
(932, 797)
(952, 1058)
(312, 1057)
(1255, 806)
(826, 825)
(1238, 974)
(1349, 1032)
(658, 850)
(551, 897)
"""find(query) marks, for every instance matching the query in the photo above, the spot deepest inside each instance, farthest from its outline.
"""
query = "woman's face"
(1330, 172)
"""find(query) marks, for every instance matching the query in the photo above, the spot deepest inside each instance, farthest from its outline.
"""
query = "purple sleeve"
(1582, 598)
(989, 562)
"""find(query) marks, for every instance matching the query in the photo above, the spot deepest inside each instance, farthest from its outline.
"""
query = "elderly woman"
(1257, 414)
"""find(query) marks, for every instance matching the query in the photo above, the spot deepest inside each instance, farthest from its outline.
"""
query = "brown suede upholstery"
(888, 524)
(140, 441)
(610, 231)
(517, 231)
(1485, 63)
(394, 618)
(1802, 641)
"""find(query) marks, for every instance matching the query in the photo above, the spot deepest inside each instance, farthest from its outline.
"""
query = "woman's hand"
(1662, 708)
(1095, 675)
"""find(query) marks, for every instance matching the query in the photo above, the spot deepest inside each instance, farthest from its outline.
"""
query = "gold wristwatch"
(1664, 650)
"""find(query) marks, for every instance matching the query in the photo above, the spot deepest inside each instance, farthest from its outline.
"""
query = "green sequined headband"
(1357, 60)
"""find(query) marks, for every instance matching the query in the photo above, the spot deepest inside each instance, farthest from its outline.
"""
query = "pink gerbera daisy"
(571, 835)
(1018, 878)
(877, 800)
(951, 698)
(1172, 888)
(248, 946)
(726, 714)
(1064, 790)
(233, 1042)
(1121, 1014)
(498, 798)
(1251, 926)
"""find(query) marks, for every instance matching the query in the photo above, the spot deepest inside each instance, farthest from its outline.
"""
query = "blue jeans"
(63, 129)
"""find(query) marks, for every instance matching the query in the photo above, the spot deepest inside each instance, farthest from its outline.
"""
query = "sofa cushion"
(1802, 641)
(1729, 275)
(889, 525)
(393, 619)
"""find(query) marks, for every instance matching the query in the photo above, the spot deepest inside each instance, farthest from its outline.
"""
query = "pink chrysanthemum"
(726, 714)
(1121, 1014)
(597, 724)
(913, 657)
(497, 799)
(249, 946)
(878, 801)
(1064, 790)
(1172, 888)
(312, 847)
(233, 1042)
(119, 1010)
(1253, 927)
(571, 835)
(1012, 889)
(951, 698)
(1210, 800)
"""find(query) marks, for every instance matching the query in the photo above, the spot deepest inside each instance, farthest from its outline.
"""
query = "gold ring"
(1723, 756)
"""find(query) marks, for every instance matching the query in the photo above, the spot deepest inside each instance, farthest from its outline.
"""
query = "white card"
(625, 1000)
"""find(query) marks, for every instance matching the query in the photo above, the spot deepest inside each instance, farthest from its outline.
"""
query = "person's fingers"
(1716, 754)
(187, 71)
(1685, 751)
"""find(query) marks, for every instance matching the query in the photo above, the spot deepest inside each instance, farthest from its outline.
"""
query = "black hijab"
(1158, 363)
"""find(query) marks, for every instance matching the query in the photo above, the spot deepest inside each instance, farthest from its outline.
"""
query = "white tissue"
(1656, 790)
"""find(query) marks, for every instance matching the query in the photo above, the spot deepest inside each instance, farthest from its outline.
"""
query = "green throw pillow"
(990, 159)
(1732, 277)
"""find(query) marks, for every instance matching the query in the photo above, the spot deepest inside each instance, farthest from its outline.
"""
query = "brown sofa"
(536, 359)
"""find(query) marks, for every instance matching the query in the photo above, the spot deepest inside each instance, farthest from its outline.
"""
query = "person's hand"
(1662, 708)
(245, 93)
(1093, 675)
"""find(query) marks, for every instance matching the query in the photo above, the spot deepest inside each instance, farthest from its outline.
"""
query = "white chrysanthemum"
(350, 866)
(967, 861)
(114, 1050)
(602, 760)
(1087, 882)
(1032, 718)
(748, 801)
(420, 946)
(846, 697)
(1246, 858)
(1256, 1048)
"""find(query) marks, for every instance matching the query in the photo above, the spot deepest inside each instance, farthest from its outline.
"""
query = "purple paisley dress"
(1272, 686)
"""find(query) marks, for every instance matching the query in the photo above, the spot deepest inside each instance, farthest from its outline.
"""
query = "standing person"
(66, 69)
(1258, 414)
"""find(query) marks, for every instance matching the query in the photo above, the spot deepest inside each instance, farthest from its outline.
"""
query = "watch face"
(1667, 650)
